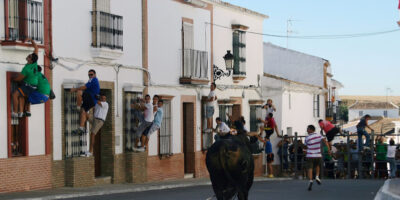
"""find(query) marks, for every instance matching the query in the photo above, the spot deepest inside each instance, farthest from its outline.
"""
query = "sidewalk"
(389, 191)
(68, 192)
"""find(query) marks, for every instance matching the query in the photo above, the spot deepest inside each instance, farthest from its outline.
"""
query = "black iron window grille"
(107, 30)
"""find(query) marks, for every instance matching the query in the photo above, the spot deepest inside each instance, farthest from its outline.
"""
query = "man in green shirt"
(29, 81)
(41, 95)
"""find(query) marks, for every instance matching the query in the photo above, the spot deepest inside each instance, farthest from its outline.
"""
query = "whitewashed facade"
(375, 109)
(297, 83)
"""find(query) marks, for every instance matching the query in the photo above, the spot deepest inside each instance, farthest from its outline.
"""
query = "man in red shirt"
(270, 126)
(330, 130)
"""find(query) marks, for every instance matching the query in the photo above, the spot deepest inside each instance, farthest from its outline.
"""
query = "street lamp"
(218, 73)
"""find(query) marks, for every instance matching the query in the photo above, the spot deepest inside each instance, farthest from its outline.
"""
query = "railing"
(25, 20)
(346, 162)
(107, 30)
(329, 109)
(195, 64)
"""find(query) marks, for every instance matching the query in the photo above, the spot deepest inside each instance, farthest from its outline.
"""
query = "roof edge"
(242, 9)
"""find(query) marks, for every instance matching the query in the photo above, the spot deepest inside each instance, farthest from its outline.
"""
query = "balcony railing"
(107, 30)
(25, 20)
(195, 64)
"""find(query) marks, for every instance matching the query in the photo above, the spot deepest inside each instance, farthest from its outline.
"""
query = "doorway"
(188, 138)
(100, 149)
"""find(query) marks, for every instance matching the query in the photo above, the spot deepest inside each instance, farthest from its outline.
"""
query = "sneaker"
(366, 148)
(79, 131)
(141, 149)
(88, 154)
(14, 115)
(20, 115)
(318, 180)
(270, 176)
(27, 114)
(310, 186)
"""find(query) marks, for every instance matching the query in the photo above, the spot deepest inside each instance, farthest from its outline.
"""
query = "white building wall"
(165, 38)
(72, 39)
(36, 121)
(354, 113)
(283, 62)
(224, 16)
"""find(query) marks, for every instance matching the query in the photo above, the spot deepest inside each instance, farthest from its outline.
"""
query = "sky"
(366, 65)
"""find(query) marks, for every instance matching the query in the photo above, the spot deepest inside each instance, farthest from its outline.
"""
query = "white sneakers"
(17, 115)
(139, 149)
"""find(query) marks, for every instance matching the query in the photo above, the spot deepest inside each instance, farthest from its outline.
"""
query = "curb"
(385, 194)
(138, 189)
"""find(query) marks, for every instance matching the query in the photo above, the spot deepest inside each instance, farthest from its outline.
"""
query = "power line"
(316, 37)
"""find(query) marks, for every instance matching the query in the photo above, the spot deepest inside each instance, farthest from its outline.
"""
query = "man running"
(313, 157)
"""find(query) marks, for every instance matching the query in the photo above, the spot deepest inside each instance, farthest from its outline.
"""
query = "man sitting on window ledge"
(28, 83)
(88, 99)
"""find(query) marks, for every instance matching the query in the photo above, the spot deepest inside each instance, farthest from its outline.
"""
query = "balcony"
(24, 20)
(107, 35)
(333, 111)
(195, 67)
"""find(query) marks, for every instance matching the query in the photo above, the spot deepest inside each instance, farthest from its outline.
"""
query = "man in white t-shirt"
(222, 129)
(100, 114)
(147, 109)
(269, 107)
(210, 107)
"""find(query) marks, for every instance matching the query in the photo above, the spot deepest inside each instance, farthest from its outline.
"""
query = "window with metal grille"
(25, 20)
(165, 136)
(360, 113)
(107, 28)
(132, 118)
(316, 105)
(255, 114)
(17, 127)
(385, 113)
(225, 111)
(75, 144)
(207, 137)
(239, 52)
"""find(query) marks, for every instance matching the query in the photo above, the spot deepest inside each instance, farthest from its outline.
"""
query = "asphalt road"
(276, 190)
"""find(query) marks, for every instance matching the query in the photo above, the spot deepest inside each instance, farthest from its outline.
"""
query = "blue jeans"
(393, 167)
(360, 133)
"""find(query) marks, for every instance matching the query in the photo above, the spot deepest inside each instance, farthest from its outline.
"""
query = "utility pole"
(388, 89)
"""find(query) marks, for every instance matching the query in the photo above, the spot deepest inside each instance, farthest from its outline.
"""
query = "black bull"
(231, 167)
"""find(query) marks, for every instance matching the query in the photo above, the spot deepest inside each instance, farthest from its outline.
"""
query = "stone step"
(187, 176)
(102, 180)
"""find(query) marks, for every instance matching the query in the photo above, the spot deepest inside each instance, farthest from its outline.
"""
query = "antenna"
(289, 30)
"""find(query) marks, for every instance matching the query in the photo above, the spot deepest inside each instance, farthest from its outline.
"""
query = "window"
(360, 113)
(255, 113)
(225, 111)
(25, 20)
(207, 137)
(75, 144)
(316, 105)
(17, 128)
(385, 113)
(239, 52)
(107, 29)
(165, 135)
(132, 118)
(195, 62)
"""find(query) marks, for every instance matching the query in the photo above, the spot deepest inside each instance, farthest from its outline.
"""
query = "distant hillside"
(349, 100)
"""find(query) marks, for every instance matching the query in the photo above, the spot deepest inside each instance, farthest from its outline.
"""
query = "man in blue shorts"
(28, 83)
(88, 99)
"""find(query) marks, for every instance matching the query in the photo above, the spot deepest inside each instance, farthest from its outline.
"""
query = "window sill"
(18, 46)
(194, 81)
(106, 53)
(237, 78)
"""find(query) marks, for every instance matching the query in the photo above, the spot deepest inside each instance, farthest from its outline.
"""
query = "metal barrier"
(347, 162)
